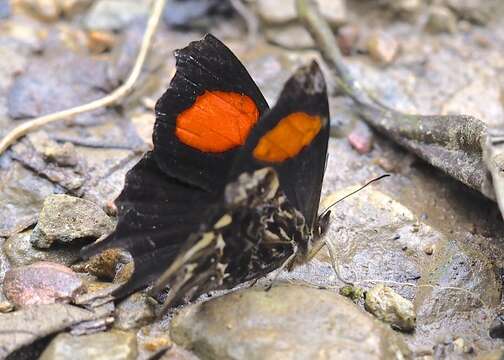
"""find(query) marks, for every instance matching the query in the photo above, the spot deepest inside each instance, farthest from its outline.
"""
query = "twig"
(113, 97)
(450, 143)
(309, 14)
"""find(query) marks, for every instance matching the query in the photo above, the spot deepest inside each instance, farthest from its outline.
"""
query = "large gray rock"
(20, 251)
(456, 293)
(66, 218)
(287, 322)
(25, 326)
(112, 345)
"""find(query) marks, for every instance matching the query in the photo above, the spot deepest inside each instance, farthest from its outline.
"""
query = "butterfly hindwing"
(292, 138)
(156, 215)
(205, 115)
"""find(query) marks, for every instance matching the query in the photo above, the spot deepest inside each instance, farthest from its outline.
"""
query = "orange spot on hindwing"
(288, 137)
(217, 121)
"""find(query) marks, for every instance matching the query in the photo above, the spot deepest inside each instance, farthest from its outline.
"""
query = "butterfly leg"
(286, 264)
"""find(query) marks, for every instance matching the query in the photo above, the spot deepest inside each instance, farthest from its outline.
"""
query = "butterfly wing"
(293, 138)
(271, 198)
(205, 115)
(202, 120)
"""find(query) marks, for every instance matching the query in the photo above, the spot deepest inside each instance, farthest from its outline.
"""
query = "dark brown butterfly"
(231, 190)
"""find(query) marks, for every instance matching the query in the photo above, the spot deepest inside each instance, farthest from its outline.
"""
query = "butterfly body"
(231, 190)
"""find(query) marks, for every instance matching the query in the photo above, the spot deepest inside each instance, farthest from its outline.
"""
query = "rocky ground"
(425, 253)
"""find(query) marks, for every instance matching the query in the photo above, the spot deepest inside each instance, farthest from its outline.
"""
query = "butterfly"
(231, 190)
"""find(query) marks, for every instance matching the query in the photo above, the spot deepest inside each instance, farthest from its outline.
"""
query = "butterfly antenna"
(352, 193)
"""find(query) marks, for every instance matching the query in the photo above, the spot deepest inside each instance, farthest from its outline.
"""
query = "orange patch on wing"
(217, 121)
(288, 137)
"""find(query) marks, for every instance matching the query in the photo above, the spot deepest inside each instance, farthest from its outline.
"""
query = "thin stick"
(113, 97)
(309, 14)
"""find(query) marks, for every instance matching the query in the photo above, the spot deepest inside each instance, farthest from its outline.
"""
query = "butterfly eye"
(212, 260)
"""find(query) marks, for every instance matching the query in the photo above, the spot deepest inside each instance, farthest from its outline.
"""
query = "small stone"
(41, 283)
(63, 155)
(429, 249)
(20, 251)
(157, 344)
(100, 346)
(290, 37)
(347, 38)
(475, 11)
(361, 138)
(382, 48)
(496, 330)
(384, 303)
(352, 292)
(334, 11)
(6, 307)
(461, 347)
(66, 218)
(440, 20)
(386, 164)
(105, 264)
(277, 12)
(284, 11)
(114, 15)
(134, 312)
(100, 41)
(405, 8)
